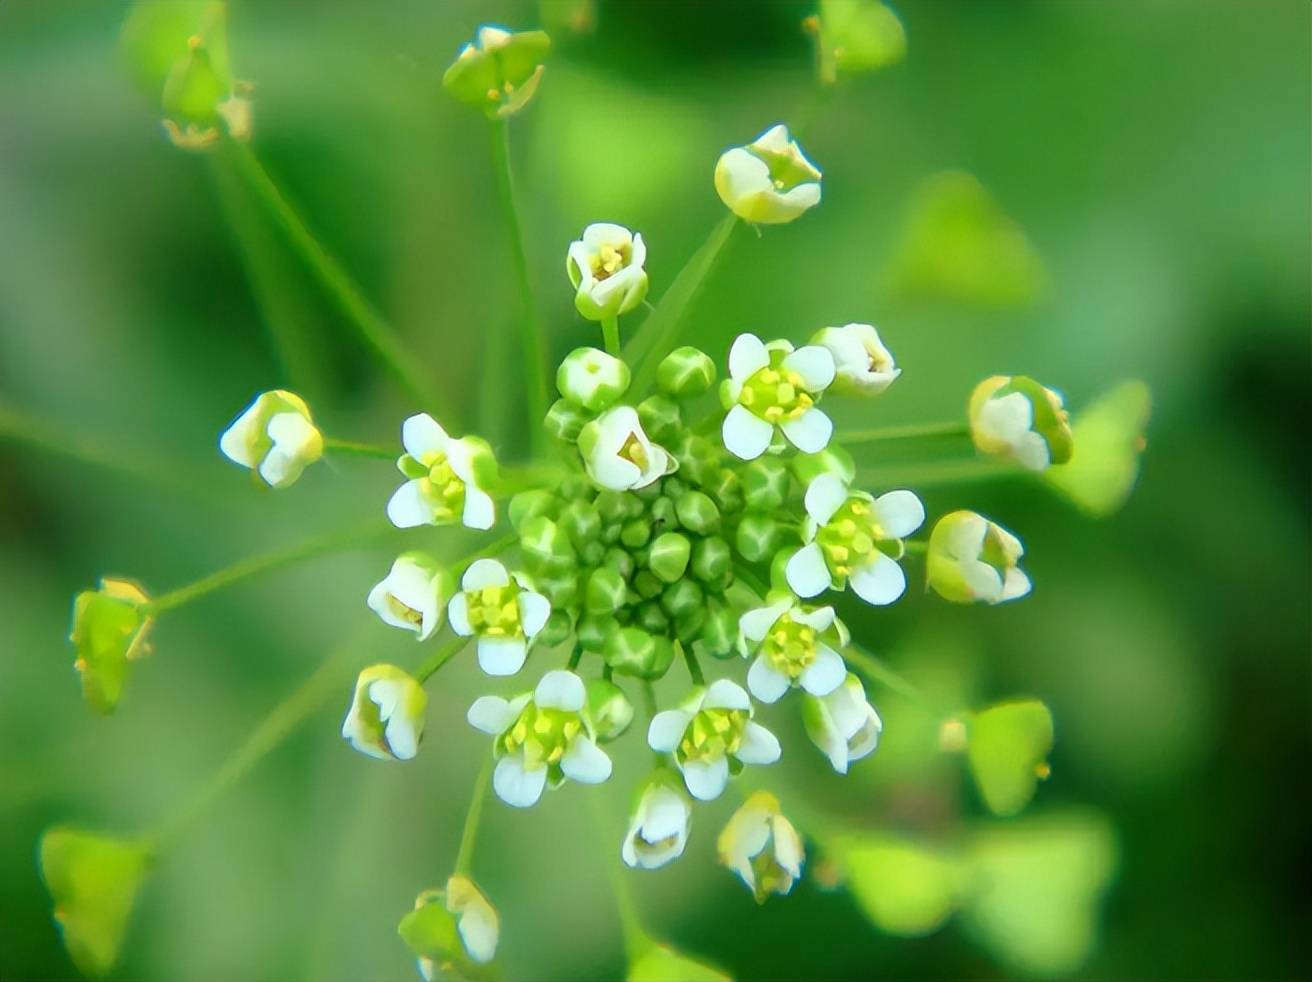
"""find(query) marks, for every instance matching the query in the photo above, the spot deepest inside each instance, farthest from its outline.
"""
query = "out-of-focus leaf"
(110, 627)
(661, 964)
(857, 36)
(158, 34)
(958, 244)
(568, 16)
(1036, 887)
(1008, 750)
(904, 888)
(1109, 436)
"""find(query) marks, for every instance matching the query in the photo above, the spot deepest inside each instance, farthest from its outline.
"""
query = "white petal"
(457, 615)
(667, 815)
(759, 745)
(501, 656)
(767, 683)
(666, 730)
(822, 618)
(825, 495)
(747, 356)
(879, 582)
(755, 624)
(422, 436)
(516, 786)
(585, 762)
(478, 933)
(599, 234)
(1007, 418)
(899, 513)
(742, 175)
(483, 573)
(810, 432)
(787, 846)
(1032, 452)
(408, 507)
(825, 674)
(480, 510)
(806, 572)
(726, 694)
(235, 443)
(560, 689)
(800, 198)
(491, 714)
(706, 779)
(745, 434)
(534, 609)
(1016, 585)
(815, 364)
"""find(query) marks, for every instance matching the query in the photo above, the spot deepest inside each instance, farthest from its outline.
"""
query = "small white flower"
(462, 906)
(606, 268)
(865, 366)
(658, 830)
(541, 739)
(842, 724)
(386, 718)
(972, 559)
(618, 454)
(502, 610)
(773, 385)
(788, 642)
(476, 918)
(769, 181)
(1019, 419)
(762, 847)
(275, 437)
(853, 537)
(413, 595)
(709, 734)
(448, 478)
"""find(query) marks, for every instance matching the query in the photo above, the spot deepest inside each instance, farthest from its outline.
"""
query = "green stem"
(636, 940)
(915, 431)
(439, 658)
(874, 669)
(651, 341)
(937, 473)
(610, 332)
(915, 548)
(349, 448)
(380, 337)
(468, 836)
(530, 326)
(263, 564)
(694, 667)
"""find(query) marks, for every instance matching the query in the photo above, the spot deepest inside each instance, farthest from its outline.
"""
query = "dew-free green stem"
(659, 330)
(265, 563)
(379, 336)
(874, 669)
(694, 667)
(530, 325)
(349, 448)
(439, 658)
(636, 939)
(916, 431)
(469, 835)
(937, 473)
(610, 333)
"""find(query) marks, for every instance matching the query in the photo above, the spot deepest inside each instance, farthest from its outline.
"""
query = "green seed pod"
(669, 556)
(662, 513)
(557, 628)
(612, 506)
(720, 632)
(620, 561)
(592, 379)
(581, 523)
(636, 533)
(632, 651)
(610, 534)
(528, 504)
(564, 420)
(605, 591)
(576, 488)
(765, 484)
(679, 598)
(660, 417)
(697, 512)
(699, 460)
(562, 589)
(726, 489)
(610, 709)
(688, 627)
(647, 585)
(593, 631)
(593, 553)
(758, 537)
(711, 559)
(672, 488)
(546, 548)
(651, 618)
(685, 372)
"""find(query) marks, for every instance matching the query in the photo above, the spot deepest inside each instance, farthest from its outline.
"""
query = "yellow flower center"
(443, 489)
(633, 450)
(776, 394)
(609, 260)
(852, 536)
(713, 733)
(401, 611)
(543, 735)
(790, 646)
(494, 611)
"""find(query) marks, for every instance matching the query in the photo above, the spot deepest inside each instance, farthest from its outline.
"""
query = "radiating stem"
(937, 473)
(468, 836)
(530, 325)
(439, 658)
(610, 332)
(914, 548)
(636, 939)
(694, 667)
(379, 336)
(265, 563)
(658, 332)
(874, 669)
(916, 431)
(349, 448)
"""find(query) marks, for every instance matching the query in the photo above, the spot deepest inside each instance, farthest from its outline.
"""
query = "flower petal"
(825, 495)
(706, 779)
(408, 508)
(759, 745)
(480, 510)
(501, 656)
(516, 786)
(422, 436)
(534, 609)
(483, 573)
(755, 624)
(810, 432)
(825, 674)
(666, 730)
(745, 434)
(747, 355)
(491, 714)
(767, 683)
(457, 615)
(806, 572)
(726, 694)
(879, 582)
(899, 513)
(585, 762)
(560, 689)
(815, 364)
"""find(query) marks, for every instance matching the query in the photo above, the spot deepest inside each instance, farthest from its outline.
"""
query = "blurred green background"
(1156, 155)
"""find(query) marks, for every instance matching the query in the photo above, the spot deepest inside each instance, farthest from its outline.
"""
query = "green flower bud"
(499, 71)
(685, 372)
(636, 534)
(669, 556)
(662, 513)
(971, 559)
(758, 537)
(660, 417)
(581, 523)
(593, 553)
(681, 597)
(632, 651)
(726, 488)
(455, 928)
(620, 561)
(546, 548)
(1019, 419)
(650, 617)
(711, 559)
(614, 506)
(688, 625)
(605, 591)
(565, 421)
(562, 589)
(646, 585)
(673, 488)
(698, 458)
(697, 513)
(765, 484)
(720, 633)
(110, 626)
(558, 626)
(832, 460)
(610, 709)
(593, 631)
(529, 504)
(591, 378)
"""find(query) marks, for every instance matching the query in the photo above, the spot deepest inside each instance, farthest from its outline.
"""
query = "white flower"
(618, 454)
(972, 559)
(865, 366)
(476, 918)
(1019, 419)
(448, 478)
(709, 729)
(769, 181)
(275, 437)
(605, 266)
(590, 378)
(413, 595)
(773, 385)
(842, 724)
(502, 610)
(462, 911)
(762, 847)
(850, 536)
(787, 640)
(658, 830)
(541, 739)
(386, 718)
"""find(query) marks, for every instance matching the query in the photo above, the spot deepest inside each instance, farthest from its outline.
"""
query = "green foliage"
(661, 964)
(1008, 749)
(110, 626)
(857, 36)
(157, 36)
(1109, 437)
(904, 888)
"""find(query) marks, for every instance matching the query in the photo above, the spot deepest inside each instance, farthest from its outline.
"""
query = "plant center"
(713, 733)
(494, 611)
(852, 536)
(445, 491)
(542, 735)
(776, 394)
(790, 646)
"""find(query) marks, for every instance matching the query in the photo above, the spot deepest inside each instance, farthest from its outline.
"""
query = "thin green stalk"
(916, 431)
(265, 563)
(636, 940)
(937, 473)
(914, 548)
(349, 448)
(874, 669)
(610, 332)
(661, 327)
(379, 336)
(532, 334)
(694, 667)
(469, 835)
(439, 658)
